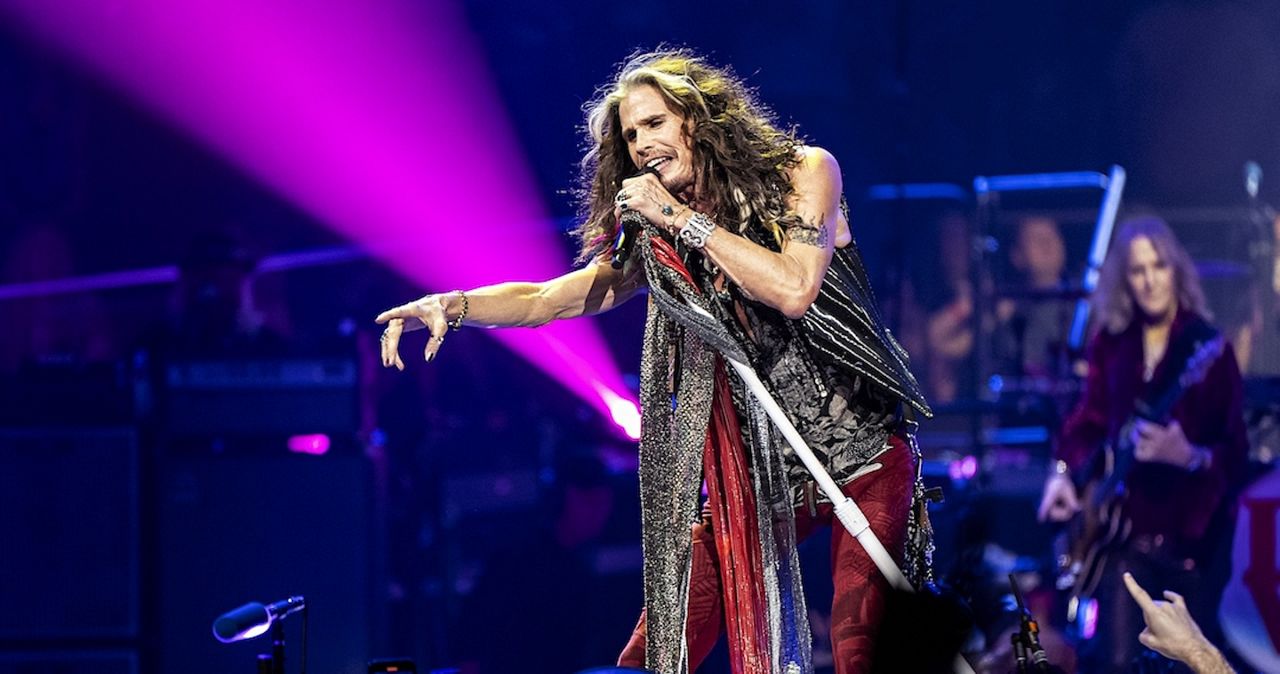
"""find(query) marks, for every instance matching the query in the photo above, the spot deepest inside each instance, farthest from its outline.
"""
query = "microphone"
(1029, 634)
(1252, 178)
(629, 226)
(253, 619)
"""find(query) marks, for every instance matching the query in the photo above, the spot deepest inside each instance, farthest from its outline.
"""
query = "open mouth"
(657, 163)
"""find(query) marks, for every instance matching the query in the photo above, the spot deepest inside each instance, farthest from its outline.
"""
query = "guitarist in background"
(1149, 305)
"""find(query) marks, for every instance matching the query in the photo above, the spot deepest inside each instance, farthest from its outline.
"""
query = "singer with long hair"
(746, 220)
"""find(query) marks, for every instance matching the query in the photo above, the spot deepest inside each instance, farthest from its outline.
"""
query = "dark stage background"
(474, 512)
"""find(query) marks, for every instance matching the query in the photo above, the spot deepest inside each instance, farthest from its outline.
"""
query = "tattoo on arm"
(810, 234)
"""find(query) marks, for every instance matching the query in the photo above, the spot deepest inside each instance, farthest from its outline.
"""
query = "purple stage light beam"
(376, 118)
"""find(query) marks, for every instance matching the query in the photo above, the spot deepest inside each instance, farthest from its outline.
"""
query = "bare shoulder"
(817, 168)
(812, 156)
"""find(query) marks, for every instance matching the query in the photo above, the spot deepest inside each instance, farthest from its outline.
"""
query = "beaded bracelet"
(456, 323)
(672, 214)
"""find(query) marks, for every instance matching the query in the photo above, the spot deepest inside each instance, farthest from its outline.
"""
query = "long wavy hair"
(740, 157)
(1112, 298)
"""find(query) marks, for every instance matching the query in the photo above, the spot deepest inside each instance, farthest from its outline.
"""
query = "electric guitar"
(1102, 527)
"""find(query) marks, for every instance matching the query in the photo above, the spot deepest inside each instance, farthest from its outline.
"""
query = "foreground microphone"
(629, 227)
(1028, 637)
(253, 619)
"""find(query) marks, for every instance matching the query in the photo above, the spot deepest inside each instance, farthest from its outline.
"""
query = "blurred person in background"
(1033, 324)
(937, 309)
(1151, 316)
(949, 338)
(1260, 336)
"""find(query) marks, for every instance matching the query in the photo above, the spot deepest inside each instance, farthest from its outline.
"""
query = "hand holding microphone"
(629, 226)
(631, 219)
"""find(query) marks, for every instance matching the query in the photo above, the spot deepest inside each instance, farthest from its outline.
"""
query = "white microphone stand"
(846, 510)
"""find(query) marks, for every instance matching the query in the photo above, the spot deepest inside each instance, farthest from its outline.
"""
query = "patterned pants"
(859, 600)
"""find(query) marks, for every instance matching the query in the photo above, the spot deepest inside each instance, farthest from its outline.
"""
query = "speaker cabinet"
(69, 662)
(68, 534)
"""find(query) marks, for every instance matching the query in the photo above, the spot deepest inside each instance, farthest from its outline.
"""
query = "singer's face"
(656, 137)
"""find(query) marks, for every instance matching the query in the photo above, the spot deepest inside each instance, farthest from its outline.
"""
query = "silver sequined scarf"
(679, 355)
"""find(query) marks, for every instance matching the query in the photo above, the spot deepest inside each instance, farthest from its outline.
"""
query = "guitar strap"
(1163, 391)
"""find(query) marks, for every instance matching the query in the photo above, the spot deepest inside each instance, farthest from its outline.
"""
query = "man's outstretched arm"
(593, 289)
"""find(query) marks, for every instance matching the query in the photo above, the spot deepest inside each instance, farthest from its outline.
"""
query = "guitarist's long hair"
(1112, 300)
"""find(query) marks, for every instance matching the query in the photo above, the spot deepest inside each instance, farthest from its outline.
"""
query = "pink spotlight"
(377, 118)
(623, 411)
(316, 444)
(627, 415)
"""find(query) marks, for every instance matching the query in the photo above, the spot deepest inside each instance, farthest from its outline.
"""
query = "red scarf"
(733, 515)
(735, 524)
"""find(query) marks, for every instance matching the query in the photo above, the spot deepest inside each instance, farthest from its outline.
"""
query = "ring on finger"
(438, 339)
(622, 196)
(623, 205)
(383, 336)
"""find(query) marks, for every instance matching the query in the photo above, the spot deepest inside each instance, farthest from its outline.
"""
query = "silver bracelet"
(697, 229)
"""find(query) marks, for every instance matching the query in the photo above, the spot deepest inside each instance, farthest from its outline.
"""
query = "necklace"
(1152, 353)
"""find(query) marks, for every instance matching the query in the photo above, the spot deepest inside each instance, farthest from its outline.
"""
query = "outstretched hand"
(1172, 632)
(427, 312)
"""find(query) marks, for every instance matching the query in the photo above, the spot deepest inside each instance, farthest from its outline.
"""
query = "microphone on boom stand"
(254, 619)
(1029, 655)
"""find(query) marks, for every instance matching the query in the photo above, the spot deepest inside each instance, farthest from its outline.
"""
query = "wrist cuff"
(697, 229)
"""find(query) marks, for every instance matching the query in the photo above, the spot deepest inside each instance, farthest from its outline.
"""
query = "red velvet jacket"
(1163, 499)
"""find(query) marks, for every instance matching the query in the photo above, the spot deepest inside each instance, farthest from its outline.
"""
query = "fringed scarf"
(746, 482)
